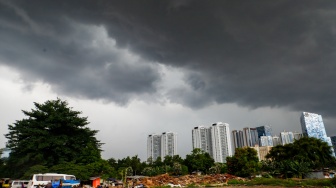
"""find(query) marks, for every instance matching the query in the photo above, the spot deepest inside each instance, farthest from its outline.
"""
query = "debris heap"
(197, 180)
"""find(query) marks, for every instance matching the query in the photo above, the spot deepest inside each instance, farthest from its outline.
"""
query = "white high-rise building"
(220, 141)
(153, 146)
(266, 141)
(201, 138)
(161, 145)
(214, 140)
(286, 137)
(168, 144)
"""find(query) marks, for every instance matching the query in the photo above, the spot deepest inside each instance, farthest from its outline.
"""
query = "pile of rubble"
(197, 180)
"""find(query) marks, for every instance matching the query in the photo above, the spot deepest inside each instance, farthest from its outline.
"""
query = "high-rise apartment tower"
(153, 146)
(215, 140)
(161, 145)
(220, 141)
(168, 144)
(201, 138)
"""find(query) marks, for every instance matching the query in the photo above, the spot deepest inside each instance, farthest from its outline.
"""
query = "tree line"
(55, 138)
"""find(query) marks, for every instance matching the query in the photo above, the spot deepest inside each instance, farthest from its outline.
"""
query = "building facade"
(266, 141)
(153, 146)
(312, 126)
(161, 145)
(276, 140)
(215, 140)
(238, 139)
(265, 130)
(201, 138)
(262, 151)
(168, 144)
(286, 137)
(254, 136)
(220, 141)
(297, 135)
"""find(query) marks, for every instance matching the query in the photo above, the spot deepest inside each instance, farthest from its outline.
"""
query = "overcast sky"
(140, 67)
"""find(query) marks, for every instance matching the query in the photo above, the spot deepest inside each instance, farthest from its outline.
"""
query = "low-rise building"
(262, 151)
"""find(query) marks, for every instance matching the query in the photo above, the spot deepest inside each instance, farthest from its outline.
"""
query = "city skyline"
(137, 67)
(203, 137)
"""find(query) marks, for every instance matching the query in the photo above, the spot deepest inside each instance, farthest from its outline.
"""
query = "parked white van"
(18, 183)
(44, 179)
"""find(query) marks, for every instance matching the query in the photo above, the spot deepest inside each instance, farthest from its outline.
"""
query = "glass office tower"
(312, 126)
(264, 130)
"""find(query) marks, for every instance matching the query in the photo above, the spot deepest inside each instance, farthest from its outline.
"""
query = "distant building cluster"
(216, 139)
(262, 136)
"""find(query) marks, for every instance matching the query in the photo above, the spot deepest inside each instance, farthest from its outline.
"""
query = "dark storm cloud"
(253, 53)
(76, 59)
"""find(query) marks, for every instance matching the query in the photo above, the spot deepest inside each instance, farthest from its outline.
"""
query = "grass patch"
(285, 182)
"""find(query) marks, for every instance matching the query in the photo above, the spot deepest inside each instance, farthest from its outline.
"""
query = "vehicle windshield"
(70, 177)
(48, 178)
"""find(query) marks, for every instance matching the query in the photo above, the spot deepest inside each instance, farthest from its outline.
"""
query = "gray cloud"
(78, 60)
(255, 53)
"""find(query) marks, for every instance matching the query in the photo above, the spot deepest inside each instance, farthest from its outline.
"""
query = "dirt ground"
(165, 179)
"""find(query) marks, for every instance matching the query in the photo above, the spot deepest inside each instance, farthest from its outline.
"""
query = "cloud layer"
(252, 53)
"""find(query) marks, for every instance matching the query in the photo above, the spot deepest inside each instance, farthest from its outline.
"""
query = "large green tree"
(199, 160)
(244, 163)
(312, 151)
(51, 134)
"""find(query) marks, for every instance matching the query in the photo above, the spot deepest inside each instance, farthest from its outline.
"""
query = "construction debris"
(182, 181)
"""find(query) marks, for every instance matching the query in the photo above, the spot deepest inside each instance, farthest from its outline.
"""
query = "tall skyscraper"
(168, 144)
(201, 138)
(312, 126)
(215, 140)
(247, 136)
(254, 136)
(153, 146)
(161, 145)
(220, 141)
(286, 137)
(238, 139)
(265, 130)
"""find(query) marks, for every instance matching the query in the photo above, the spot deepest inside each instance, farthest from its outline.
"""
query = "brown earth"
(197, 180)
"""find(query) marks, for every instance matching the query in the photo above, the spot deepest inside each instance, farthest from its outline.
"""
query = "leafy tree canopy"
(309, 150)
(199, 160)
(51, 134)
(244, 163)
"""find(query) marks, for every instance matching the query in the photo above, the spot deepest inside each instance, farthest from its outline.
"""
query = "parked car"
(20, 183)
(6, 182)
(43, 179)
(114, 181)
